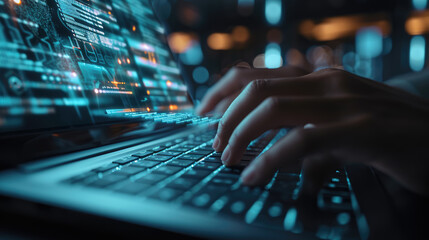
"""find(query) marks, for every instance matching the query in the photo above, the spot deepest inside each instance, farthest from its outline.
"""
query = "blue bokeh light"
(417, 53)
(369, 42)
(273, 11)
(420, 4)
(192, 56)
(200, 75)
(273, 57)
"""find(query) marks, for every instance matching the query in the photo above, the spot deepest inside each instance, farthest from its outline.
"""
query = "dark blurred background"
(377, 39)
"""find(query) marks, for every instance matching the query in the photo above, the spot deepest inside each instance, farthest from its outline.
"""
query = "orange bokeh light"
(180, 42)
(240, 34)
(17, 2)
(173, 107)
(219, 41)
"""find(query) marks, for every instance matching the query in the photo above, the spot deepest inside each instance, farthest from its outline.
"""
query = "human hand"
(356, 120)
(221, 95)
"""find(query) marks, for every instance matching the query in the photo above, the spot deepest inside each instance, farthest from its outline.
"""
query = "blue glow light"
(420, 4)
(273, 57)
(200, 75)
(417, 53)
(369, 42)
(193, 56)
(246, 3)
(273, 11)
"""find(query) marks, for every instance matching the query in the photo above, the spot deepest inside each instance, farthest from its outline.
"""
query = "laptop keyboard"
(189, 172)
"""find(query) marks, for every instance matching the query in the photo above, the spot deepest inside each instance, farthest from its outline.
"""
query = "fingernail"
(216, 143)
(225, 155)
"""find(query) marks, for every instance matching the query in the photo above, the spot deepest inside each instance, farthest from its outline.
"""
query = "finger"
(300, 143)
(237, 78)
(315, 171)
(225, 87)
(284, 112)
(255, 93)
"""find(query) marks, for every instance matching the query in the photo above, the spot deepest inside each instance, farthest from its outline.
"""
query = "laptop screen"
(66, 63)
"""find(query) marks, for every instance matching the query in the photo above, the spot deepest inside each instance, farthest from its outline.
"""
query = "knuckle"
(303, 137)
(258, 86)
(272, 103)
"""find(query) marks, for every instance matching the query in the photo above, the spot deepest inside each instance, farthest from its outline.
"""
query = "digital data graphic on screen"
(77, 62)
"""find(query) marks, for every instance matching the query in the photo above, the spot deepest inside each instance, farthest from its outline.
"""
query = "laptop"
(96, 119)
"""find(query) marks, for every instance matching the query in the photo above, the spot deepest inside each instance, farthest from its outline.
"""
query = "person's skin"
(221, 95)
(353, 120)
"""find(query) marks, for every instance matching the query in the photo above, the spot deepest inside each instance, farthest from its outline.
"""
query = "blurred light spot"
(290, 219)
(259, 61)
(219, 41)
(189, 14)
(343, 218)
(273, 56)
(420, 4)
(336, 199)
(200, 75)
(18, 2)
(245, 7)
(240, 34)
(193, 56)
(273, 11)
(320, 56)
(275, 35)
(369, 42)
(294, 57)
(418, 23)
(349, 61)
(417, 53)
(148, 109)
(340, 27)
(179, 41)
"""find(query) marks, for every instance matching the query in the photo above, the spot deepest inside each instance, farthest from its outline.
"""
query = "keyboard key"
(166, 194)
(151, 178)
(233, 170)
(125, 160)
(273, 213)
(213, 160)
(180, 163)
(196, 173)
(107, 180)
(201, 152)
(206, 196)
(133, 188)
(105, 168)
(81, 177)
(129, 170)
(223, 181)
(207, 165)
(169, 153)
(143, 154)
(189, 156)
(183, 183)
(181, 149)
(158, 158)
(167, 170)
(145, 164)
(158, 149)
